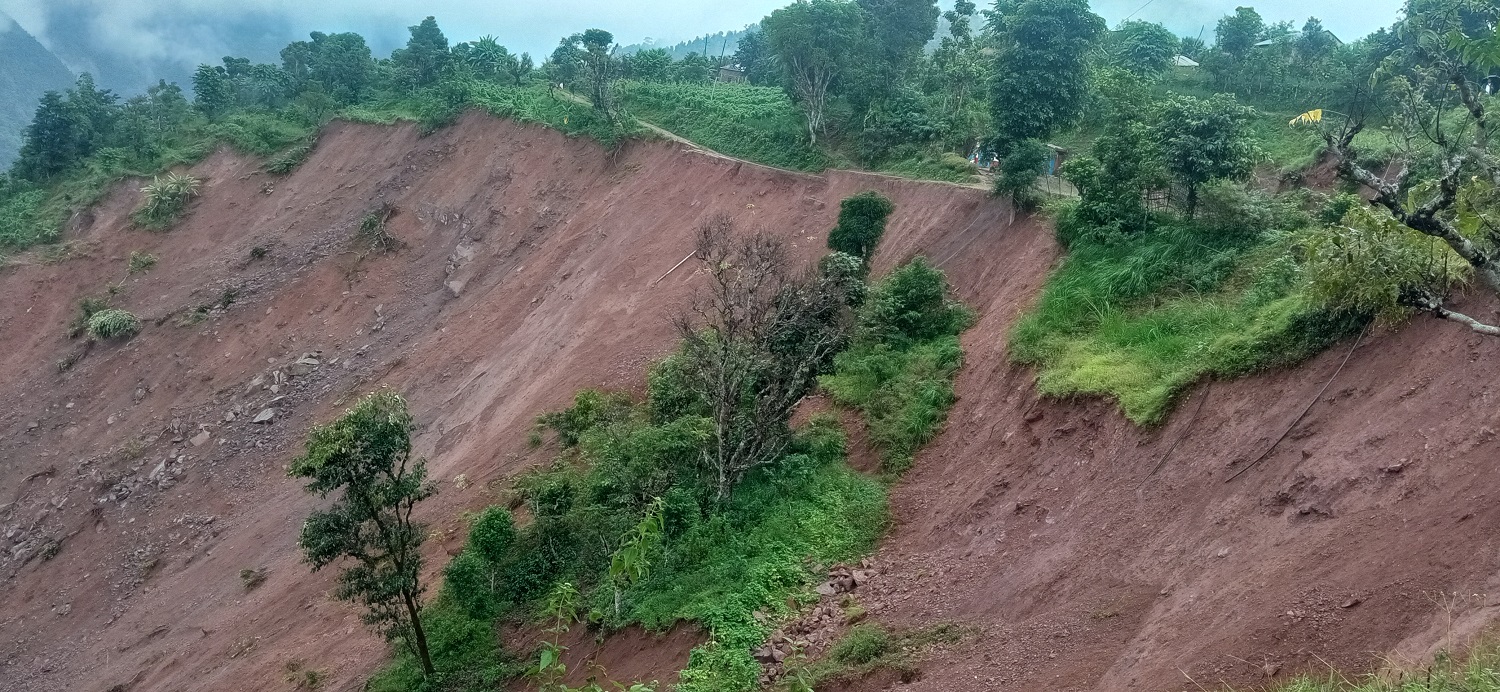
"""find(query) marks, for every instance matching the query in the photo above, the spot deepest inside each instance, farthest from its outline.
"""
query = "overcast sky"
(188, 29)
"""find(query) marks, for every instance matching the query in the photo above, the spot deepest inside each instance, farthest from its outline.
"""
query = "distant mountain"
(713, 45)
(27, 70)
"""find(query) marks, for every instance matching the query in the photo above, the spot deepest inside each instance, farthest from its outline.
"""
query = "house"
(733, 74)
(1184, 61)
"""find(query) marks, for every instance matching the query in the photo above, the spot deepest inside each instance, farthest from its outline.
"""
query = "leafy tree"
(651, 65)
(1145, 49)
(519, 68)
(1123, 163)
(213, 92)
(1205, 139)
(960, 65)
(693, 68)
(1041, 69)
(755, 57)
(1238, 33)
(365, 456)
(861, 224)
(895, 33)
(911, 306)
(1314, 43)
(56, 140)
(425, 56)
(1192, 47)
(815, 42)
(487, 57)
(1444, 189)
(475, 577)
(1020, 171)
(341, 64)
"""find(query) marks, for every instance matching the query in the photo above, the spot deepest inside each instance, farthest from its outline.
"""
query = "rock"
(157, 472)
(827, 588)
(265, 416)
(201, 438)
(255, 384)
(862, 576)
(33, 425)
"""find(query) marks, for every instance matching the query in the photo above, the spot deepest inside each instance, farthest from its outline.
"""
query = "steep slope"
(27, 70)
(532, 266)
(1087, 553)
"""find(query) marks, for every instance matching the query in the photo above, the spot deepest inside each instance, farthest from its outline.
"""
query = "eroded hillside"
(1084, 552)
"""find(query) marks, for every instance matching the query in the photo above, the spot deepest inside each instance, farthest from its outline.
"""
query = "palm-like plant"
(166, 197)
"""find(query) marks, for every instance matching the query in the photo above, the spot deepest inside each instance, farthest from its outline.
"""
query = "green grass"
(1140, 319)
(757, 124)
(904, 393)
(1479, 673)
(866, 648)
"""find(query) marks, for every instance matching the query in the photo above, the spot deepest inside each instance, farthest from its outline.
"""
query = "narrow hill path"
(699, 148)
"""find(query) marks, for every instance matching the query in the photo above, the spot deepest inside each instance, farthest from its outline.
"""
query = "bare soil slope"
(135, 486)
(1087, 557)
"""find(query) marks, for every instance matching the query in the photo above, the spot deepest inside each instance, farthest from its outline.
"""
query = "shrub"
(372, 231)
(140, 262)
(863, 644)
(1367, 263)
(911, 305)
(861, 224)
(87, 308)
(165, 198)
(113, 324)
(590, 408)
(288, 161)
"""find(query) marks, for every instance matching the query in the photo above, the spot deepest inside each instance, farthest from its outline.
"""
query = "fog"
(152, 37)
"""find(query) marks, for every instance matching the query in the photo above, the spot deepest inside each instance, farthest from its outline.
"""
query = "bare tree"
(1435, 207)
(754, 344)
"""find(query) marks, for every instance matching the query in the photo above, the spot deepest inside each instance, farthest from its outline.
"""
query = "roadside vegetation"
(1477, 671)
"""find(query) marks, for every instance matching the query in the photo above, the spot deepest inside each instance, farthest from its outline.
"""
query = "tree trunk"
(417, 633)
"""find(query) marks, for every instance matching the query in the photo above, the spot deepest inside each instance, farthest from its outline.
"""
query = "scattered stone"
(201, 438)
(265, 416)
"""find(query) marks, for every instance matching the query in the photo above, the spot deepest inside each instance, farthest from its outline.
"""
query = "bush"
(861, 224)
(911, 305)
(1366, 264)
(863, 644)
(591, 408)
(113, 324)
(165, 198)
(87, 308)
(140, 262)
(288, 161)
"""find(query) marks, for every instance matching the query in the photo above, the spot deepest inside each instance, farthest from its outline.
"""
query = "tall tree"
(1205, 139)
(895, 33)
(425, 56)
(1144, 48)
(815, 42)
(342, 63)
(754, 56)
(213, 91)
(365, 457)
(1041, 68)
(1238, 33)
(54, 140)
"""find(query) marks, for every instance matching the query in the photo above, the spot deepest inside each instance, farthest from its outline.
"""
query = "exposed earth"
(1077, 551)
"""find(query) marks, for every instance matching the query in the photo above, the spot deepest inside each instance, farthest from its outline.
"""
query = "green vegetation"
(365, 457)
(758, 124)
(1479, 672)
(110, 323)
(140, 262)
(866, 648)
(165, 199)
(861, 225)
(899, 372)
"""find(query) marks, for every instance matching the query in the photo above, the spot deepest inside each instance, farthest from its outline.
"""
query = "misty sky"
(193, 31)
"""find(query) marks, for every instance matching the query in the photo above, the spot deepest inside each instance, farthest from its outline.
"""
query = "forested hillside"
(27, 70)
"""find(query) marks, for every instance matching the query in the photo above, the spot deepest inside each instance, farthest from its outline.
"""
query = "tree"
(1020, 171)
(1314, 43)
(519, 68)
(960, 65)
(55, 140)
(341, 63)
(1145, 49)
(895, 33)
(753, 347)
(1041, 69)
(1205, 139)
(213, 92)
(861, 224)
(650, 65)
(754, 56)
(1453, 199)
(1238, 33)
(815, 41)
(365, 456)
(425, 56)
(1192, 47)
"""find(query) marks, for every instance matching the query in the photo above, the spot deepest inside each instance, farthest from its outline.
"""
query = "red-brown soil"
(532, 266)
